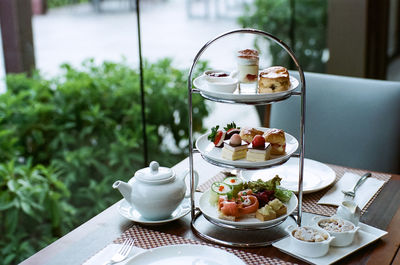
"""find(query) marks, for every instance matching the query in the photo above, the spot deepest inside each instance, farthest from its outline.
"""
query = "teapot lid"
(154, 173)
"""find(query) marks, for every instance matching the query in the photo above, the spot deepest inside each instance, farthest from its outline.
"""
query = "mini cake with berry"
(234, 148)
(258, 150)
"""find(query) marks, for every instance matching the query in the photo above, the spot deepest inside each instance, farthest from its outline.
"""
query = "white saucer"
(127, 211)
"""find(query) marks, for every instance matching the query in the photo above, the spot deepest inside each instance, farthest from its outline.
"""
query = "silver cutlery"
(122, 253)
(352, 193)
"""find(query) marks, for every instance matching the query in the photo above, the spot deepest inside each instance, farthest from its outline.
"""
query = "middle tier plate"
(209, 151)
(212, 213)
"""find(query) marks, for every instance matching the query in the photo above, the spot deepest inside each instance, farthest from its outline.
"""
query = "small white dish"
(129, 212)
(222, 85)
(211, 212)
(208, 150)
(341, 238)
(215, 75)
(316, 176)
(185, 254)
(309, 249)
(365, 235)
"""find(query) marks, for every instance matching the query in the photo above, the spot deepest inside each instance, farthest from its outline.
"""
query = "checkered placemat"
(310, 200)
(146, 238)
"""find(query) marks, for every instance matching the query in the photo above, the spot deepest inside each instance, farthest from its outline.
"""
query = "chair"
(352, 122)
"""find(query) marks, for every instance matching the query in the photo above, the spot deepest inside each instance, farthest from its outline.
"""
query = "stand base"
(239, 238)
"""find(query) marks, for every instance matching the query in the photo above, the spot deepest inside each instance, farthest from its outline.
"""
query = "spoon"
(352, 192)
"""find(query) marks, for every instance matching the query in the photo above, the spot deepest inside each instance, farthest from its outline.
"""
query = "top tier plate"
(249, 97)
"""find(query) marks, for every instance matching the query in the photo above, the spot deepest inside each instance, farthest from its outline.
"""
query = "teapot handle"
(196, 180)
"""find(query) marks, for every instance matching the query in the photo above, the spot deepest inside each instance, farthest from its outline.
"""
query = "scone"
(248, 134)
(273, 79)
(276, 138)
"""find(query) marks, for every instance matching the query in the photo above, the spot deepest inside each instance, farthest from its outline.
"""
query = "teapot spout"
(124, 188)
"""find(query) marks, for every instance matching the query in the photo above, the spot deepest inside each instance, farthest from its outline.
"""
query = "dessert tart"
(235, 148)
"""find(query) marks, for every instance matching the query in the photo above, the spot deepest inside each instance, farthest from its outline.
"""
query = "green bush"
(310, 19)
(59, 3)
(64, 141)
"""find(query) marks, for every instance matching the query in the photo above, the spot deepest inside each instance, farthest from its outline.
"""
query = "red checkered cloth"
(147, 239)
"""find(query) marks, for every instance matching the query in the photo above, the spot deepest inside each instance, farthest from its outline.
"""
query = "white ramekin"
(309, 249)
(341, 239)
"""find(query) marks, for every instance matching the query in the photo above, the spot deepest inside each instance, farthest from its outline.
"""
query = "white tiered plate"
(317, 175)
(254, 97)
(211, 212)
(208, 150)
(185, 254)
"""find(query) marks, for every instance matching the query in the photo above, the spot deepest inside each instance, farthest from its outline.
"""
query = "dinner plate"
(130, 212)
(212, 213)
(185, 254)
(364, 236)
(316, 176)
(252, 97)
(208, 149)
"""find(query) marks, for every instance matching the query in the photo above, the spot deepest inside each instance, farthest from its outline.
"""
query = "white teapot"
(155, 191)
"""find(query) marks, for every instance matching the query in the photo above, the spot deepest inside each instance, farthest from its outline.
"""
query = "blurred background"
(70, 102)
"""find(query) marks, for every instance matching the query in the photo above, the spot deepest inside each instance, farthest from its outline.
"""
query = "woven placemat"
(310, 200)
(146, 238)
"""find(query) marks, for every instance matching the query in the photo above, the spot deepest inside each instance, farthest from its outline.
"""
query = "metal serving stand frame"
(231, 235)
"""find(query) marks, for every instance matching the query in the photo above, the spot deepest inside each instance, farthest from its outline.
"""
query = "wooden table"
(89, 238)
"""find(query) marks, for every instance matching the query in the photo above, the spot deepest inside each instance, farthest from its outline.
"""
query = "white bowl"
(309, 249)
(225, 85)
(342, 238)
(208, 75)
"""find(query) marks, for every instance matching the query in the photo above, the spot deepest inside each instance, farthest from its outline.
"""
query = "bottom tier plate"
(239, 238)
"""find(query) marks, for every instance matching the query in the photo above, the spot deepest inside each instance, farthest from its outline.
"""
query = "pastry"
(278, 207)
(247, 63)
(273, 79)
(234, 149)
(259, 155)
(248, 134)
(265, 213)
(259, 150)
(276, 138)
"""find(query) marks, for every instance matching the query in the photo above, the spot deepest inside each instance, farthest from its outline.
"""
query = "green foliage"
(64, 141)
(58, 3)
(274, 16)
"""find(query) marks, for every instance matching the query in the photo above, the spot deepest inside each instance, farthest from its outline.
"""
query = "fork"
(122, 252)
(352, 193)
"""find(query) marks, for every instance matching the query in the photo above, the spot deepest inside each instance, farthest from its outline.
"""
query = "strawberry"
(217, 136)
(258, 142)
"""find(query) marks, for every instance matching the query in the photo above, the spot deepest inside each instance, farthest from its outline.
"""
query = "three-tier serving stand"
(228, 234)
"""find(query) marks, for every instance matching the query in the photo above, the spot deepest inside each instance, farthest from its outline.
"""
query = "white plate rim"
(179, 249)
(202, 144)
(330, 175)
(124, 209)
(211, 212)
(199, 83)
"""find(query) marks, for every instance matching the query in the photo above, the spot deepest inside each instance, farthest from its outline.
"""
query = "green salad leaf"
(272, 184)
